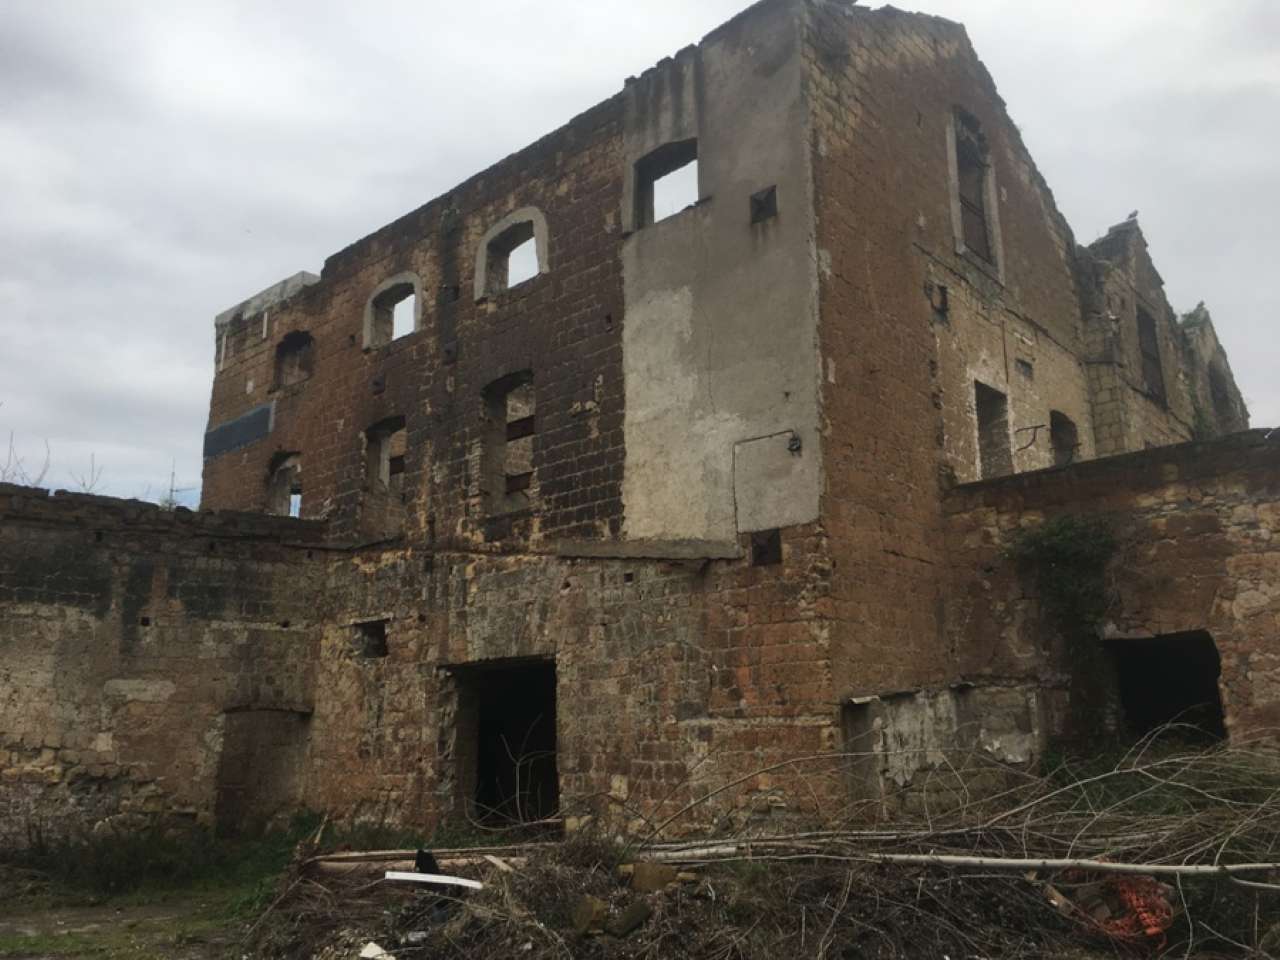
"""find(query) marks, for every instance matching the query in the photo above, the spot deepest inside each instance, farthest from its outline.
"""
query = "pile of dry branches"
(995, 875)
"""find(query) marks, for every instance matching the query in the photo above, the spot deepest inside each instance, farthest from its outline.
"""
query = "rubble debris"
(634, 916)
(647, 876)
(589, 915)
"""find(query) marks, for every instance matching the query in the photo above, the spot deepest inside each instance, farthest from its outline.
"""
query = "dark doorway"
(507, 716)
(1171, 679)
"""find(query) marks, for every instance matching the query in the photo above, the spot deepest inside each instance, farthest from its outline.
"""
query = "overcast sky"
(160, 162)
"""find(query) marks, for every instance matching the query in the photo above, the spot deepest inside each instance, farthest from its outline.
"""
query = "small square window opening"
(766, 548)
(371, 639)
(764, 205)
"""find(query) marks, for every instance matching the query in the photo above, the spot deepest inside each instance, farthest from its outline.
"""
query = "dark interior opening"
(513, 722)
(371, 639)
(995, 456)
(766, 548)
(1171, 679)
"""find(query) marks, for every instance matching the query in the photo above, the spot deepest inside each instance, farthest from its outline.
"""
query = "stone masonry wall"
(175, 668)
(1197, 527)
(672, 677)
(900, 355)
(128, 635)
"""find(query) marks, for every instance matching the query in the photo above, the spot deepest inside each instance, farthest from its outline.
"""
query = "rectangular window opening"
(293, 359)
(385, 447)
(995, 453)
(666, 182)
(766, 548)
(1149, 346)
(972, 170)
(511, 433)
(402, 318)
(370, 639)
(522, 264)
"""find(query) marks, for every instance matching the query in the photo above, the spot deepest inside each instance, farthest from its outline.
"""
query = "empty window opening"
(261, 769)
(1171, 679)
(510, 434)
(506, 740)
(766, 548)
(370, 640)
(1220, 396)
(385, 446)
(511, 257)
(402, 318)
(1149, 347)
(972, 168)
(1064, 438)
(393, 313)
(293, 359)
(666, 182)
(995, 455)
(522, 264)
(764, 205)
(1026, 368)
(284, 485)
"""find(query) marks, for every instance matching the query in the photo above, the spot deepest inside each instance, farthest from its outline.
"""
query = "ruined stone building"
(682, 444)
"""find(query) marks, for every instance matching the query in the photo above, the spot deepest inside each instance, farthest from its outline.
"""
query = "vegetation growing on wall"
(1068, 556)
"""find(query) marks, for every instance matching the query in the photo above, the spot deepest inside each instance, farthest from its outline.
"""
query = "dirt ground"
(184, 928)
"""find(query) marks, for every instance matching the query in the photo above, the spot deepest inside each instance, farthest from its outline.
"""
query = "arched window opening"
(284, 485)
(1064, 438)
(293, 359)
(512, 252)
(393, 311)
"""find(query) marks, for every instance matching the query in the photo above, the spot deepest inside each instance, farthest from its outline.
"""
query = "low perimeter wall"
(1198, 529)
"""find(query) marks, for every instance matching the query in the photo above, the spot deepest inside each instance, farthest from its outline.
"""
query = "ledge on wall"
(87, 509)
(1252, 450)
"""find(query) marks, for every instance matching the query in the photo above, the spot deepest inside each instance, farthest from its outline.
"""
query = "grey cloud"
(160, 162)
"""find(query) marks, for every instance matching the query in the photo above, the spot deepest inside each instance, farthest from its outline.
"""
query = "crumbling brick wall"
(909, 324)
(563, 327)
(671, 676)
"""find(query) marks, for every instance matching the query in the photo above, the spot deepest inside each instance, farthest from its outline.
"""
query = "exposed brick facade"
(563, 325)
(598, 468)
